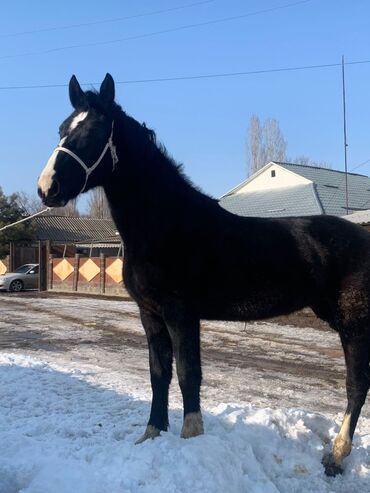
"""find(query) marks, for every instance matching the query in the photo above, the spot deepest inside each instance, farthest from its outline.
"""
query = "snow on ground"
(71, 410)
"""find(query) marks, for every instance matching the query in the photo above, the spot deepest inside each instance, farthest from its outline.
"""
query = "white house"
(287, 189)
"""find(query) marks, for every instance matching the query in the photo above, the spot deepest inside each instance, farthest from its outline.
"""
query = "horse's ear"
(107, 90)
(76, 94)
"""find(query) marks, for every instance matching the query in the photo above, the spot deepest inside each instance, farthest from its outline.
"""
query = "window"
(23, 269)
(273, 173)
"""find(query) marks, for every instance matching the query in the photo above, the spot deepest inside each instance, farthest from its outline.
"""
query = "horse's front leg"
(184, 330)
(356, 351)
(160, 363)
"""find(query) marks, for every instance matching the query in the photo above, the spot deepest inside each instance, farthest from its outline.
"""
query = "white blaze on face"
(46, 177)
(77, 119)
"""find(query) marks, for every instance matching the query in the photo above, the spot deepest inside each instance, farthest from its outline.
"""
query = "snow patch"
(60, 432)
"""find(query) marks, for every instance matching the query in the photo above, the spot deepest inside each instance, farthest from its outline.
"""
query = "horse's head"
(85, 151)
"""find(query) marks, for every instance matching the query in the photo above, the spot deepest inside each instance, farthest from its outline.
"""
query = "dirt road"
(264, 363)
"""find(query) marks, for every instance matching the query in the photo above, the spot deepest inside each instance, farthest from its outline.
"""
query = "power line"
(197, 76)
(154, 33)
(359, 165)
(343, 180)
(105, 21)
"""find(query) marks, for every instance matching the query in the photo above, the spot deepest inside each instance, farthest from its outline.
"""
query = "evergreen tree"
(10, 212)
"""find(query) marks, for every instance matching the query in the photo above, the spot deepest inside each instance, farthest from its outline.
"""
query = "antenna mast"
(345, 132)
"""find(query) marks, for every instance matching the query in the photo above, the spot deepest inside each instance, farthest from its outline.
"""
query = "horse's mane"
(145, 138)
(93, 100)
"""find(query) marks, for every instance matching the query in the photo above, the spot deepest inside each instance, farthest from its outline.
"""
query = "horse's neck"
(147, 194)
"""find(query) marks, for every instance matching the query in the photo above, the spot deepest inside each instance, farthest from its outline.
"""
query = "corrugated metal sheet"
(74, 229)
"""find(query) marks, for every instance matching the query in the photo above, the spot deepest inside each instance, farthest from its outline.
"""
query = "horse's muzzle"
(52, 198)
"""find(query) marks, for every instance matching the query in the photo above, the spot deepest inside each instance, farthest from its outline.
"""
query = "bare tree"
(265, 143)
(254, 140)
(69, 210)
(310, 162)
(29, 203)
(98, 204)
(32, 204)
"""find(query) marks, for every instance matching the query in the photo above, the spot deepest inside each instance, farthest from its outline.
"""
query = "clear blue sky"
(202, 122)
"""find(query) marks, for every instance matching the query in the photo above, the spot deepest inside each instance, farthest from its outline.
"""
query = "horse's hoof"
(150, 432)
(193, 425)
(330, 466)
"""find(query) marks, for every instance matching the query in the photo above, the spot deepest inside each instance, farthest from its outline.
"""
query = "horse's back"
(342, 295)
(261, 267)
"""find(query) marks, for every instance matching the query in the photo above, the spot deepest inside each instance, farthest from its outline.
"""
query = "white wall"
(265, 181)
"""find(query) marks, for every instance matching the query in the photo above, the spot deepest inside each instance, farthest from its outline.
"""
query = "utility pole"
(345, 132)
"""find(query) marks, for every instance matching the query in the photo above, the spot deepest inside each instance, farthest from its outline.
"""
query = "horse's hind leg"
(357, 355)
(160, 363)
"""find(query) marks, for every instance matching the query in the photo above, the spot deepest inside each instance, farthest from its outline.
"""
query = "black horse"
(187, 259)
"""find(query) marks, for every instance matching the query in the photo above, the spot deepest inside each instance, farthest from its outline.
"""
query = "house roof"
(360, 217)
(329, 187)
(74, 229)
(300, 200)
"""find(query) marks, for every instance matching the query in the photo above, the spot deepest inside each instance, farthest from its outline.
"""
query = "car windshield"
(23, 269)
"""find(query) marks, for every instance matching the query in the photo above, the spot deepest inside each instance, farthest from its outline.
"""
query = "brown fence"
(102, 275)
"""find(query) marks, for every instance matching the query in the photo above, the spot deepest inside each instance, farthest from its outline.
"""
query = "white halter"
(88, 170)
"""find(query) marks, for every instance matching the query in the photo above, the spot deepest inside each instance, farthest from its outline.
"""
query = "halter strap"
(88, 170)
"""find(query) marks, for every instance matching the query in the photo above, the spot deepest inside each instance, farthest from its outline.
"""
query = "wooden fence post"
(11, 256)
(75, 272)
(102, 273)
(43, 265)
(50, 271)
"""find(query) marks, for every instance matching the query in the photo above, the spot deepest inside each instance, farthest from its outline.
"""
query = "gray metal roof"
(330, 188)
(360, 217)
(300, 200)
(326, 195)
(73, 229)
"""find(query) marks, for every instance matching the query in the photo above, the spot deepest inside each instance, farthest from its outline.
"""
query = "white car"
(25, 277)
